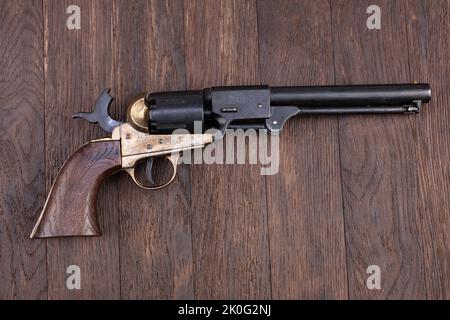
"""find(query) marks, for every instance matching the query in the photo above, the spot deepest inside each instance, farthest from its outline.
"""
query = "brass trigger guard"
(173, 158)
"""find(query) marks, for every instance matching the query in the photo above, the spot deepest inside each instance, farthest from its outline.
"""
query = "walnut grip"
(70, 209)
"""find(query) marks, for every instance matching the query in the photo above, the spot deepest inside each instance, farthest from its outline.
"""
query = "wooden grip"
(70, 209)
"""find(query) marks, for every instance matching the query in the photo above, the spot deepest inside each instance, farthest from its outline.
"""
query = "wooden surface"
(351, 191)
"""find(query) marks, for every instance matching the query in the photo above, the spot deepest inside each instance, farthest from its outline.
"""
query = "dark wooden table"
(351, 192)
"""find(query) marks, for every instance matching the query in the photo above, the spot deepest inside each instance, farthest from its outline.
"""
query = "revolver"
(150, 133)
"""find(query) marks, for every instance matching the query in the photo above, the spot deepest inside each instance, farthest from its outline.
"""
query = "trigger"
(148, 170)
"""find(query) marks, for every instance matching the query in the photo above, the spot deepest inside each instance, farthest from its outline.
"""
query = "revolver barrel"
(246, 107)
(396, 98)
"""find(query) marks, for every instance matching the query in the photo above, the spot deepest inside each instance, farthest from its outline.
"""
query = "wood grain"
(433, 154)
(228, 201)
(351, 192)
(378, 153)
(306, 224)
(155, 230)
(22, 163)
(71, 206)
(78, 67)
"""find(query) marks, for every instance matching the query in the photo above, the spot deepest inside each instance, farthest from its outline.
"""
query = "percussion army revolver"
(153, 120)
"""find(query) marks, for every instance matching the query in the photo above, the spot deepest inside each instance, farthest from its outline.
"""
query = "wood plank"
(78, 68)
(306, 224)
(434, 154)
(230, 242)
(155, 234)
(22, 184)
(224, 231)
(378, 153)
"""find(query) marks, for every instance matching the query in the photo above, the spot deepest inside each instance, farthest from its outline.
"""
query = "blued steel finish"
(174, 110)
(258, 107)
(233, 104)
(345, 96)
(100, 114)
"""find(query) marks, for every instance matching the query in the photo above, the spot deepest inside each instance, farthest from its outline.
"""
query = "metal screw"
(149, 146)
(127, 136)
(260, 105)
(160, 141)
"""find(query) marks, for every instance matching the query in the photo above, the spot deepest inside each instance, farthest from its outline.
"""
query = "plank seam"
(265, 177)
(339, 152)
(191, 214)
(114, 84)
(44, 69)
